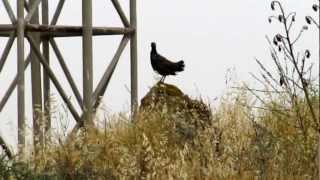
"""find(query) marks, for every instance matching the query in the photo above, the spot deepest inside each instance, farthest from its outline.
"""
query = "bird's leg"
(161, 79)
(164, 77)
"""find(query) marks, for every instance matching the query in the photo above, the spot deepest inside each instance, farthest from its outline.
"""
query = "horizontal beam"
(7, 27)
(6, 33)
(65, 31)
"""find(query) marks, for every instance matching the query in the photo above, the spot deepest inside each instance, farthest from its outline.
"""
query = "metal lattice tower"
(27, 28)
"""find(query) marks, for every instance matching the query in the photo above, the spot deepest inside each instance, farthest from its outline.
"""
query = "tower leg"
(46, 80)
(87, 61)
(38, 125)
(134, 58)
(20, 87)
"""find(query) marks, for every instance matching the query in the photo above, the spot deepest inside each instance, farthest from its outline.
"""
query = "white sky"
(211, 36)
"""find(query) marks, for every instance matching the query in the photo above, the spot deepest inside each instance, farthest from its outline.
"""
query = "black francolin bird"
(162, 65)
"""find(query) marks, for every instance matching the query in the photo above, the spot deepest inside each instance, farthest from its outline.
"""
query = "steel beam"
(134, 57)
(67, 72)
(57, 12)
(120, 12)
(9, 11)
(87, 60)
(7, 27)
(33, 9)
(12, 86)
(5, 148)
(54, 80)
(36, 85)
(6, 50)
(66, 31)
(77, 31)
(26, 5)
(20, 67)
(103, 84)
(6, 33)
(45, 32)
(46, 79)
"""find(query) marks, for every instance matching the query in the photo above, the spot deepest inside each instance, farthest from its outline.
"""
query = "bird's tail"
(180, 66)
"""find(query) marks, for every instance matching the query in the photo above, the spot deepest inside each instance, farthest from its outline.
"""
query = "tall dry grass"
(241, 142)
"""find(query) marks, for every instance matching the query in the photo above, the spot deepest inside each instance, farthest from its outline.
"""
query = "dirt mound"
(169, 103)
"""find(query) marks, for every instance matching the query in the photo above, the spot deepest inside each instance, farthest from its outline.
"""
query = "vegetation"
(268, 133)
(239, 141)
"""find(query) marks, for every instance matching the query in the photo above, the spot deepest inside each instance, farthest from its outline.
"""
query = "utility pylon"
(27, 28)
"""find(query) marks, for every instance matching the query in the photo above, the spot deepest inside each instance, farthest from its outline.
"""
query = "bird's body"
(162, 65)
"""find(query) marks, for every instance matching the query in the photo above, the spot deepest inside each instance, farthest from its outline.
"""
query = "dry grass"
(240, 142)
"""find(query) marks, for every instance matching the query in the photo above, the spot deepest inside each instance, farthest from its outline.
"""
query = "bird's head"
(153, 45)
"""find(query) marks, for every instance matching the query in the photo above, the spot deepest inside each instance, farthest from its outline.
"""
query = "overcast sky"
(211, 36)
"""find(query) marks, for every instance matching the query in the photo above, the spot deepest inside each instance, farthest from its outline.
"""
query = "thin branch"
(298, 37)
(262, 82)
(259, 90)
(271, 110)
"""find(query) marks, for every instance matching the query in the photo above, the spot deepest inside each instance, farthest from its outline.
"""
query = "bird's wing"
(165, 61)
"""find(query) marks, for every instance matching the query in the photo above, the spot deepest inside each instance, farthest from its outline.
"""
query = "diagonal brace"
(5, 148)
(57, 12)
(26, 5)
(7, 50)
(12, 17)
(67, 72)
(121, 13)
(12, 86)
(101, 87)
(32, 9)
(54, 79)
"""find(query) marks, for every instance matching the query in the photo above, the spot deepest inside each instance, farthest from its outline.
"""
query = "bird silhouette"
(162, 65)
